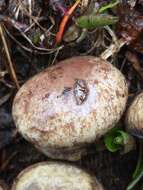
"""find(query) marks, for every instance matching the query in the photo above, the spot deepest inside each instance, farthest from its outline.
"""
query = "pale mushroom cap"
(55, 176)
(134, 117)
(70, 104)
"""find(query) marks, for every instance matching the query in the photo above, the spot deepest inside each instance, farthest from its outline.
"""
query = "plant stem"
(135, 181)
(140, 160)
(138, 174)
(113, 49)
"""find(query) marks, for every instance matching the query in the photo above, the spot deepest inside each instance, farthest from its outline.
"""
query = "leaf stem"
(138, 173)
(140, 160)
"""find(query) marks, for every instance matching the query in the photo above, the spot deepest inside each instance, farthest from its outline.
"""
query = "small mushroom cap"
(134, 117)
(69, 105)
(54, 176)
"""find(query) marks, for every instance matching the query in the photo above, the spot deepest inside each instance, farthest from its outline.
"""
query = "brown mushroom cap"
(69, 105)
(134, 117)
(54, 176)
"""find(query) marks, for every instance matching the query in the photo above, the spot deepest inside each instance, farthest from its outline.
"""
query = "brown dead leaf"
(132, 57)
(130, 27)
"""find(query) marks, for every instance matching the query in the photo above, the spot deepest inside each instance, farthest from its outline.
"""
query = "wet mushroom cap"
(54, 176)
(134, 117)
(69, 105)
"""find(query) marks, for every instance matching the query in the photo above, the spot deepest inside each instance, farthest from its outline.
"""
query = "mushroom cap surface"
(134, 116)
(69, 105)
(55, 176)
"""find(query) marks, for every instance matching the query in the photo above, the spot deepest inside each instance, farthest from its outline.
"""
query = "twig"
(32, 17)
(30, 10)
(5, 98)
(33, 50)
(112, 49)
(8, 57)
(47, 51)
(55, 56)
(64, 22)
(112, 34)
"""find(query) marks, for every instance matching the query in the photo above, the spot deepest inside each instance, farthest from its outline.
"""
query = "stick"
(112, 49)
(64, 21)
(8, 57)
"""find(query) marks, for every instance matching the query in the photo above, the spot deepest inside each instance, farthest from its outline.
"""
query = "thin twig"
(112, 49)
(30, 10)
(112, 34)
(8, 57)
(33, 50)
(32, 17)
(55, 56)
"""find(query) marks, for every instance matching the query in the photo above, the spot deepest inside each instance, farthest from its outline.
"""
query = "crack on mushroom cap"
(81, 91)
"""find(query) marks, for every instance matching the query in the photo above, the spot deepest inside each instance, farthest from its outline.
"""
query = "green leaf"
(110, 145)
(93, 21)
(117, 139)
(108, 6)
(36, 38)
(109, 140)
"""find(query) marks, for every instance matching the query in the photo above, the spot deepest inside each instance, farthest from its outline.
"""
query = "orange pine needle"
(64, 21)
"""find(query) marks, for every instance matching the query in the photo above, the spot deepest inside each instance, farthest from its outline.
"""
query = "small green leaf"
(117, 139)
(93, 21)
(109, 140)
(110, 145)
(108, 6)
(124, 134)
(36, 38)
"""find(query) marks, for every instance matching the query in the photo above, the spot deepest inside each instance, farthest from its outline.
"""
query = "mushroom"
(134, 125)
(65, 108)
(134, 116)
(54, 176)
